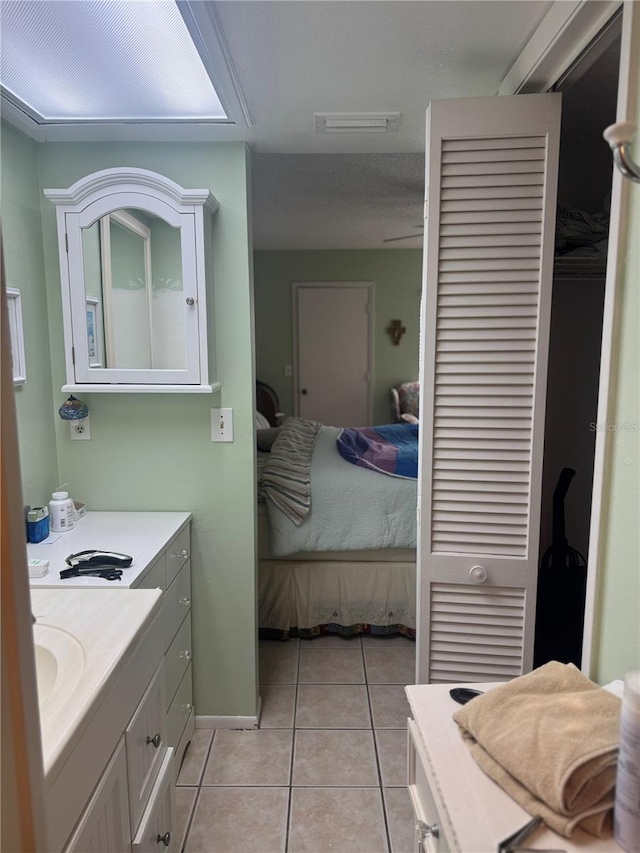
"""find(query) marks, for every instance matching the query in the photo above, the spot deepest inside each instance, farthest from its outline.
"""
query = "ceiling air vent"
(356, 122)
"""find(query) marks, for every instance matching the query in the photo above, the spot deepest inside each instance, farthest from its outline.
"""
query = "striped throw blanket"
(286, 477)
(391, 449)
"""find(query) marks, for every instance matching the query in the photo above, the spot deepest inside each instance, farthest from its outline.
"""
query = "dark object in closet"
(562, 585)
(267, 402)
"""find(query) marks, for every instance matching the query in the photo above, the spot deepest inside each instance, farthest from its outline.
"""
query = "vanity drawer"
(158, 827)
(177, 658)
(104, 826)
(177, 553)
(177, 603)
(156, 577)
(420, 785)
(180, 710)
(146, 742)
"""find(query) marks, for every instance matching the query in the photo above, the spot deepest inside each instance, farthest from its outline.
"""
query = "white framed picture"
(16, 333)
(95, 333)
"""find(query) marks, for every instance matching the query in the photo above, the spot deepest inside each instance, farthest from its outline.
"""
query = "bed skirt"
(309, 598)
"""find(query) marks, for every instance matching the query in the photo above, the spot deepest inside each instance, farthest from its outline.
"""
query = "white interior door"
(333, 352)
(491, 177)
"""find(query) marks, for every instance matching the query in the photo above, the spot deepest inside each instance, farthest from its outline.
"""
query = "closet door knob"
(187, 707)
(184, 601)
(185, 655)
(165, 839)
(478, 574)
(304, 392)
(156, 740)
(190, 300)
(184, 553)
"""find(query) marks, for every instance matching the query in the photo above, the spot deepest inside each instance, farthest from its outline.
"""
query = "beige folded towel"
(550, 740)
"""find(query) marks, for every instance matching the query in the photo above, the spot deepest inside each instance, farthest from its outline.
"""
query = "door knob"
(478, 574)
(156, 740)
(304, 392)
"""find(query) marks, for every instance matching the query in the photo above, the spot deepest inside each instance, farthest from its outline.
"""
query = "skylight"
(104, 60)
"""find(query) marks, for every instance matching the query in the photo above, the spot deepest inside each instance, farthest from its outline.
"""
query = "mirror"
(136, 273)
(133, 284)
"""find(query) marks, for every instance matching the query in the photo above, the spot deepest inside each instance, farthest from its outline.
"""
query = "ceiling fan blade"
(406, 237)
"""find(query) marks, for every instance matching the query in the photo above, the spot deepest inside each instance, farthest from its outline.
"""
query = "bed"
(340, 558)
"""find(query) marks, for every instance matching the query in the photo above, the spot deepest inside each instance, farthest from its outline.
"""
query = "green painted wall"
(397, 276)
(618, 614)
(24, 266)
(154, 451)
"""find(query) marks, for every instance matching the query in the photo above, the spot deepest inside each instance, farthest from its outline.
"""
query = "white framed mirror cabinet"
(136, 272)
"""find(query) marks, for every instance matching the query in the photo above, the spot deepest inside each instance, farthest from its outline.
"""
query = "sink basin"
(60, 662)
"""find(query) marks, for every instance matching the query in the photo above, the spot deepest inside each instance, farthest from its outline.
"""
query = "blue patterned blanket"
(391, 449)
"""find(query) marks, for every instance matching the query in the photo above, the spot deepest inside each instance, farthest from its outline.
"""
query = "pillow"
(261, 421)
(266, 437)
(410, 419)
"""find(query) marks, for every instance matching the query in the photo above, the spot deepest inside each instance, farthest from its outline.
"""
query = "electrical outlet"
(221, 424)
(80, 429)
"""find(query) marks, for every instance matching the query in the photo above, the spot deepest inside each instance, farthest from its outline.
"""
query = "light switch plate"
(221, 424)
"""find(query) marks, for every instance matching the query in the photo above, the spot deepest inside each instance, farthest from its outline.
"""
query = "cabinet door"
(157, 831)
(146, 742)
(491, 193)
(104, 826)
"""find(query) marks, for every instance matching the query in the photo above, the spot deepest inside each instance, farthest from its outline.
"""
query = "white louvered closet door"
(491, 180)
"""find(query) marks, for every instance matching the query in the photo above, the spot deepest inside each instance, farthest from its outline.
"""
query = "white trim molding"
(230, 722)
(562, 35)
(16, 336)
(130, 180)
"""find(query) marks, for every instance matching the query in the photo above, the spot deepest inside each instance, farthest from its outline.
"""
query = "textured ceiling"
(297, 58)
(336, 201)
(353, 191)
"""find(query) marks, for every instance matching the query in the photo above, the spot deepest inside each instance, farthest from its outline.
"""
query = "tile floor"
(326, 771)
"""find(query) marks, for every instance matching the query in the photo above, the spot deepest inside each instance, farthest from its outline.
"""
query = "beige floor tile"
(401, 819)
(279, 662)
(336, 820)
(392, 752)
(195, 758)
(236, 820)
(331, 666)
(330, 758)
(185, 800)
(332, 706)
(331, 641)
(393, 664)
(257, 757)
(376, 642)
(278, 704)
(389, 706)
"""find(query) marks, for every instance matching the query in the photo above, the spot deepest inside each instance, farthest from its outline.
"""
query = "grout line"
(377, 755)
(190, 821)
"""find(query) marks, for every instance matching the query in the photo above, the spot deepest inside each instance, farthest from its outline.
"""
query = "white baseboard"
(221, 722)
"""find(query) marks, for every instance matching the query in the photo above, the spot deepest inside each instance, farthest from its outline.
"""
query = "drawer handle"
(166, 839)
(423, 830)
(184, 601)
(187, 707)
(185, 655)
(156, 740)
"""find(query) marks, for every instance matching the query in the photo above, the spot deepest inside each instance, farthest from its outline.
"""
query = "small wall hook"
(395, 330)
(619, 137)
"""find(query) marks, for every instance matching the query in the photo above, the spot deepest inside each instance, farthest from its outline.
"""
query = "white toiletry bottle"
(626, 813)
(61, 512)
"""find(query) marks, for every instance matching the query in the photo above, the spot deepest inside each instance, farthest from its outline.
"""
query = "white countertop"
(90, 633)
(141, 535)
(480, 812)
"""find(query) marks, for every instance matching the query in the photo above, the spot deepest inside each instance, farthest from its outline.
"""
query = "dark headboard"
(267, 402)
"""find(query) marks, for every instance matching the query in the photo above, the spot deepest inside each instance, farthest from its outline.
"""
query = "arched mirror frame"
(97, 196)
